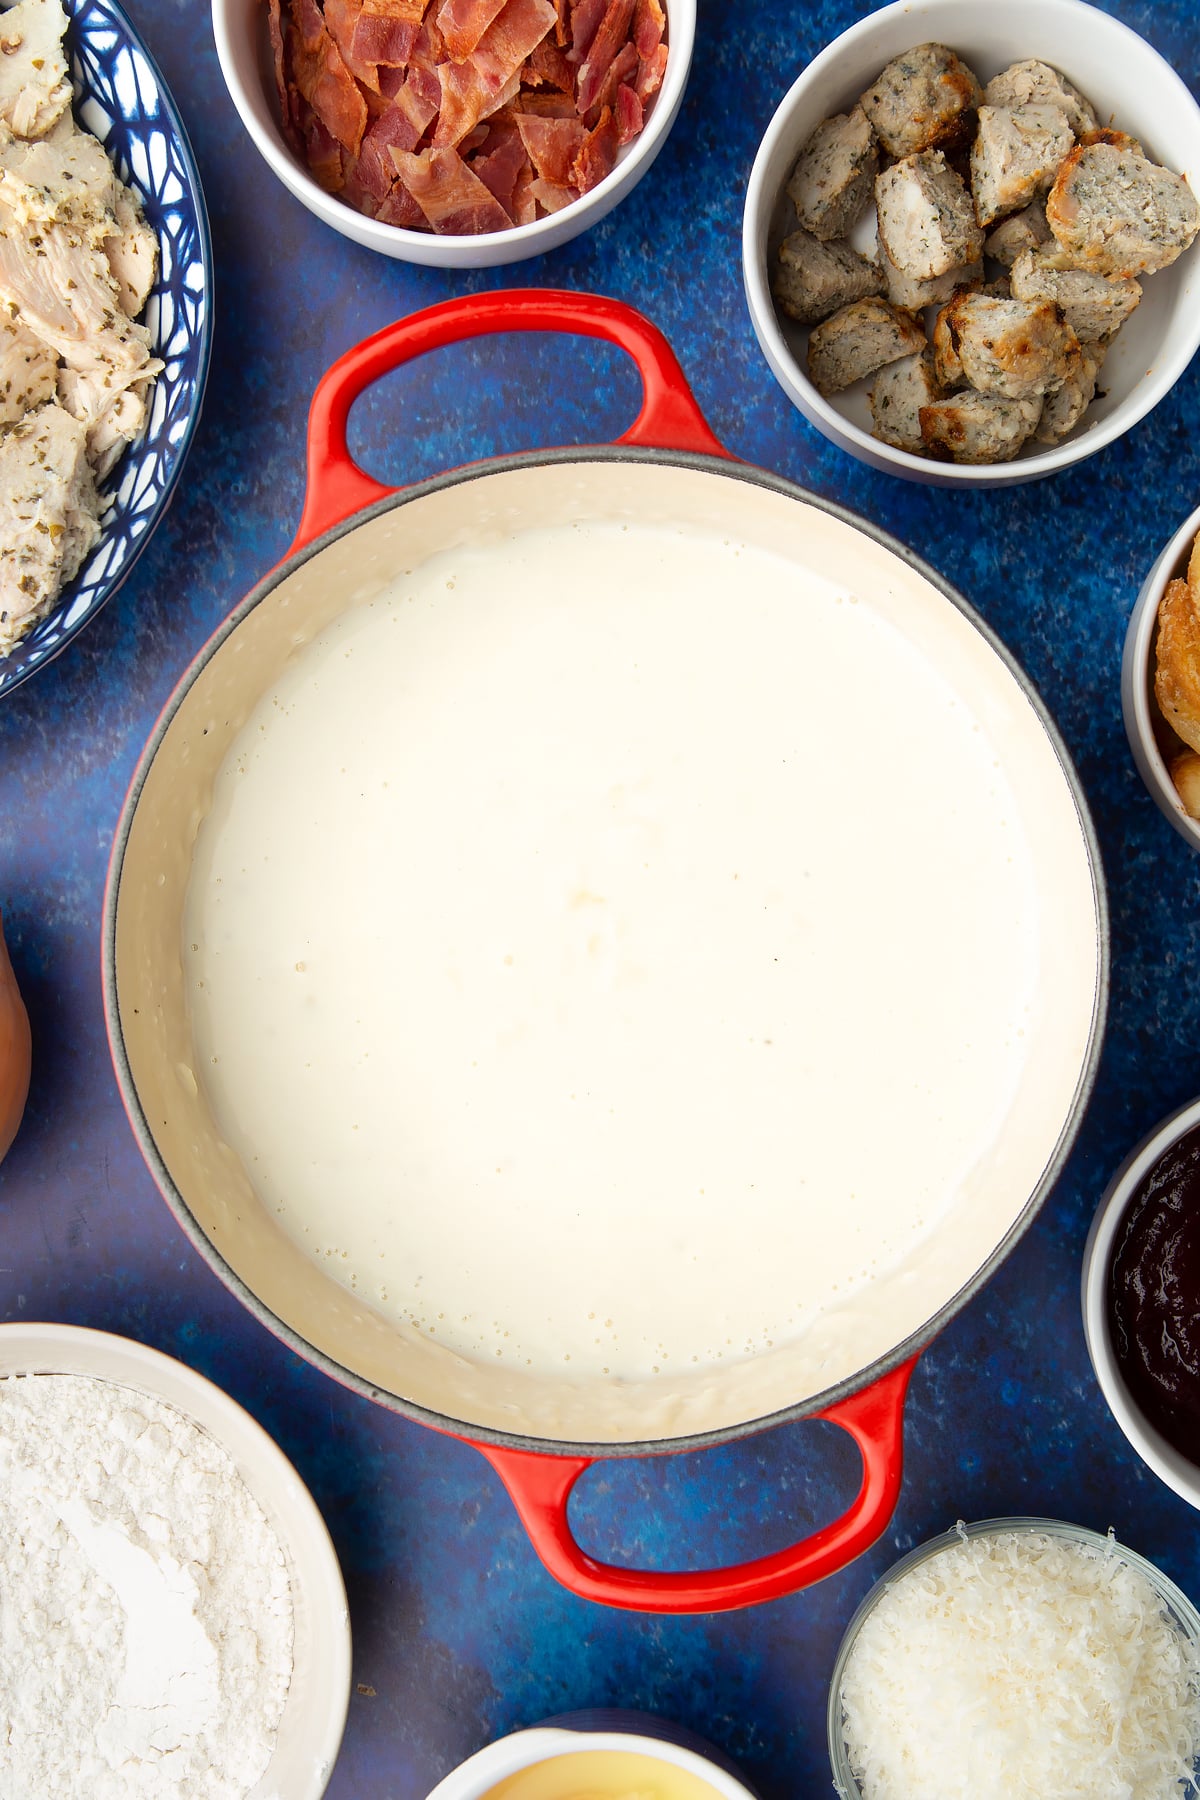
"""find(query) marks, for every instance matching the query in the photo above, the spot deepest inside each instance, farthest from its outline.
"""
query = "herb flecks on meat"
(77, 261)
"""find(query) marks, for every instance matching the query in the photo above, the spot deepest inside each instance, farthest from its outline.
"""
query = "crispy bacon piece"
(585, 22)
(462, 103)
(510, 92)
(547, 66)
(463, 23)
(623, 67)
(323, 79)
(275, 33)
(322, 152)
(524, 206)
(401, 209)
(403, 12)
(393, 129)
(445, 115)
(381, 40)
(649, 27)
(309, 24)
(420, 97)
(501, 164)
(542, 106)
(629, 115)
(612, 32)
(510, 39)
(466, 99)
(341, 22)
(387, 30)
(453, 200)
(650, 74)
(597, 154)
(429, 51)
(352, 191)
(551, 194)
(552, 144)
(490, 76)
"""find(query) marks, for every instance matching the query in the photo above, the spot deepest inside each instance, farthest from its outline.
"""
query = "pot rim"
(915, 1342)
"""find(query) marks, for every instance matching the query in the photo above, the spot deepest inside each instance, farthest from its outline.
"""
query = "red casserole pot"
(350, 521)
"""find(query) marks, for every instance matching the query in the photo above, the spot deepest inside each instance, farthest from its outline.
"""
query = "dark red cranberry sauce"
(1154, 1296)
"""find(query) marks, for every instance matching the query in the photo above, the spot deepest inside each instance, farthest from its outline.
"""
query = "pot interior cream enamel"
(648, 945)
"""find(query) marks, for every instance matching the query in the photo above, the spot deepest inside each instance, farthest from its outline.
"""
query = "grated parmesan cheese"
(1021, 1665)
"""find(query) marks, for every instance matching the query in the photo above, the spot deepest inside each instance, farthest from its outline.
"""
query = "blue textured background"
(459, 1635)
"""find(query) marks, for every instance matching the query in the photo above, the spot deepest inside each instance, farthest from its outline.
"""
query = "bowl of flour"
(173, 1620)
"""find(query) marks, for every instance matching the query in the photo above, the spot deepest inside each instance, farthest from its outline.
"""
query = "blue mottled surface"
(459, 1636)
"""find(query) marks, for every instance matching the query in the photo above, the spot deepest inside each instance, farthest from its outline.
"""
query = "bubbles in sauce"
(551, 934)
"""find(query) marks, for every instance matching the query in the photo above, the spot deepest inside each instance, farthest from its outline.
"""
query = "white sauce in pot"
(611, 951)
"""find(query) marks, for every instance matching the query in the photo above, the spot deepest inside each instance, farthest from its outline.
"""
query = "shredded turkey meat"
(28, 372)
(77, 262)
(48, 515)
(35, 88)
(463, 116)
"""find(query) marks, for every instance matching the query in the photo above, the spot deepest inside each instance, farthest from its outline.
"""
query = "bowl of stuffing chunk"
(457, 133)
(969, 238)
(105, 316)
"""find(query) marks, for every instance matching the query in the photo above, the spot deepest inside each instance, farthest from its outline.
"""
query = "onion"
(14, 1051)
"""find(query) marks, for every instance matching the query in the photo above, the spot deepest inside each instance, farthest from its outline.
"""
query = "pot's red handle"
(337, 487)
(540, 1487)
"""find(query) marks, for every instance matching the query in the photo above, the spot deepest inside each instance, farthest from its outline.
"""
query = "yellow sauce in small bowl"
(603, 1775)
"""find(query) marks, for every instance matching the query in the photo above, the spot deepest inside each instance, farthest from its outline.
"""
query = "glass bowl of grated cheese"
(1018, 1659)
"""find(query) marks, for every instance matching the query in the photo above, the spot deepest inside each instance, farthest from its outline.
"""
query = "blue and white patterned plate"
(121, 98)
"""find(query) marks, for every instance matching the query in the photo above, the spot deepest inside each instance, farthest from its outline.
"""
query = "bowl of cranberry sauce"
(1141, 1299)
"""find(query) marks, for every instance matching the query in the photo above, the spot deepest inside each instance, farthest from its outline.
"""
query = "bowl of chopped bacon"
(459, 133)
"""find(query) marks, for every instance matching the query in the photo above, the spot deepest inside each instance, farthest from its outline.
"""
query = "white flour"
(145, 1610)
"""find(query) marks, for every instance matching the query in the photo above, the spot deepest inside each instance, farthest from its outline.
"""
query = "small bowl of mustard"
(604, 1754)
(1141, 1299)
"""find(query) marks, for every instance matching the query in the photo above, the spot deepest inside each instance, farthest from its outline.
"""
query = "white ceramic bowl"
(239, 27)
(631, 1733)
(1168, 1463)
(314, 1716)
(1137, 681)
(1174, 1601)
(1125, 79)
